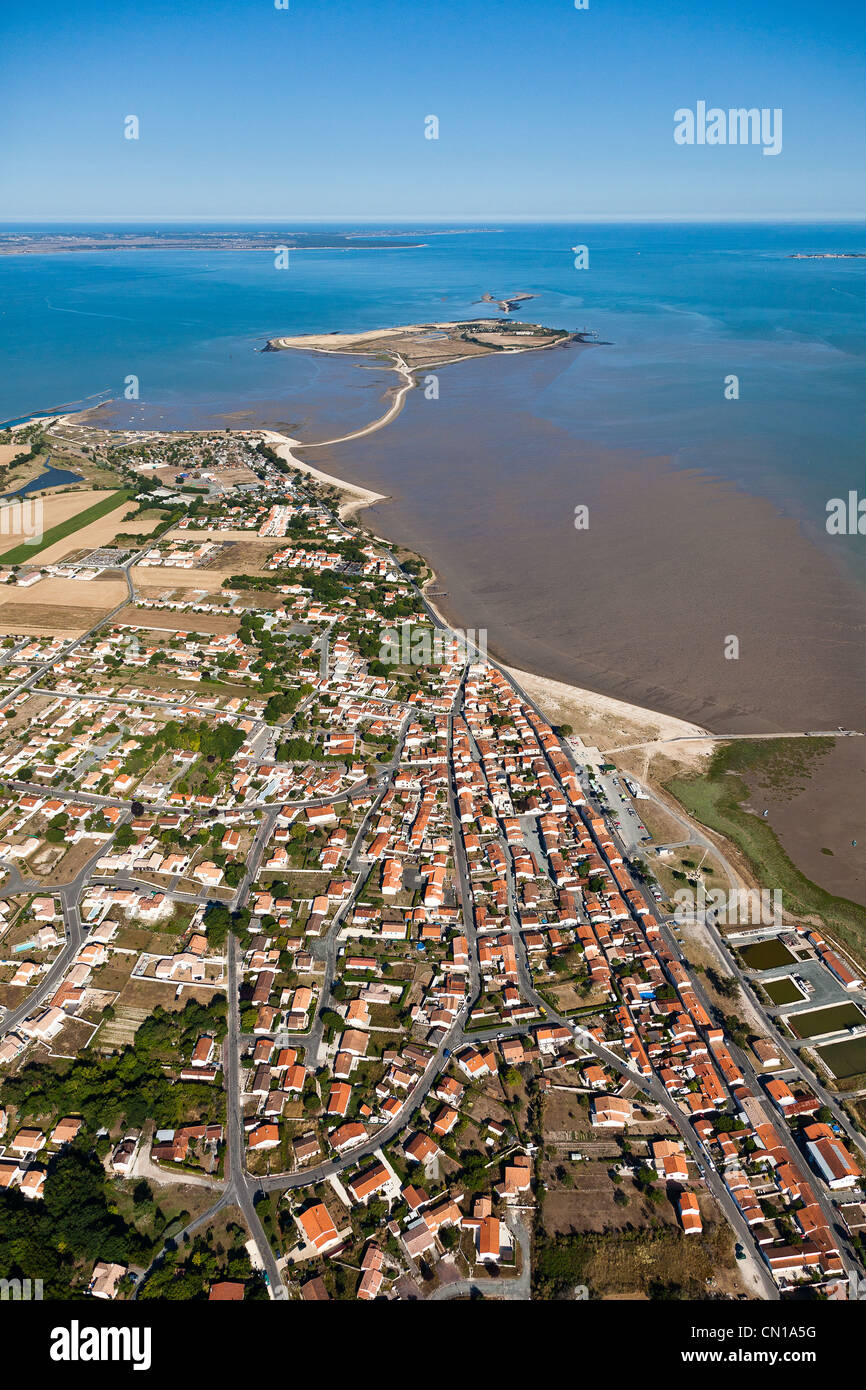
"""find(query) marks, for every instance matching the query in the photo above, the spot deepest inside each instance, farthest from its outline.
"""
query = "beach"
(357, 496)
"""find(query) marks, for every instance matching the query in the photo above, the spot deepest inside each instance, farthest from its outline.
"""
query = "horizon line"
(540, 219)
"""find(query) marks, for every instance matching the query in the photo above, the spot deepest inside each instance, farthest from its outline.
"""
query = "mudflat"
(642, 602)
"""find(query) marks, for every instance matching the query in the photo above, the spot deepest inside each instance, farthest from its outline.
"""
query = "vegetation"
(130, 1087)
(188, 1270)
(659, 1261)
(60, 1238)
(716, 798)
(20, 554)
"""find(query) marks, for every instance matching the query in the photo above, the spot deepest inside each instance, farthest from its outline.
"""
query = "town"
(331, 969)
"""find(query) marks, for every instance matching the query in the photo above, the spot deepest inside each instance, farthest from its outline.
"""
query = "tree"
(217, 923)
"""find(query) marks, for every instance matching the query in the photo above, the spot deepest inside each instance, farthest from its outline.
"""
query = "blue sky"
(247, 111)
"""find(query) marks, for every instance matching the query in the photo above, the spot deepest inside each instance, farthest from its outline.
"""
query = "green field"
(814, 1022)
(20, 554)
(716, 799)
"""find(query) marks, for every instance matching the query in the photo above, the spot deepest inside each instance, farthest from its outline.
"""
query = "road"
(77, 641)
(735, 738)
(456, 1038)
(791, 1056)
(50, 982)
(750, 1076)
(239, 1187)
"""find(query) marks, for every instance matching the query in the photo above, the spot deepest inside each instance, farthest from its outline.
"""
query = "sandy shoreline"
(600, 720)
(639, 605)
(606, 722)
(358, 497)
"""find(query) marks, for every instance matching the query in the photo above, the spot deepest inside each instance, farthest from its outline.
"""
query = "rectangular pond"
(783, 990)
(845, 1058)
(766, 955)
(814, 1022)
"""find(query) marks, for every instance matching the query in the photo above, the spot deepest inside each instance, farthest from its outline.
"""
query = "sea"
(680, 310)
(717, 411)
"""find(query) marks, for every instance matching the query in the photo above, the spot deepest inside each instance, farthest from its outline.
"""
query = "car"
(740, 1252)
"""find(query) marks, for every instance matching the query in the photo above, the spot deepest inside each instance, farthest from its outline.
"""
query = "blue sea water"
(679, 309)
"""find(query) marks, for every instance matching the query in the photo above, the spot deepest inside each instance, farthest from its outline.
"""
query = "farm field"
(58, 605)
(70, 514)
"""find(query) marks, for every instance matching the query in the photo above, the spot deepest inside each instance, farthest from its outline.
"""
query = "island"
(428, 344)
(827, 256)
(46, 243)
(509, 302)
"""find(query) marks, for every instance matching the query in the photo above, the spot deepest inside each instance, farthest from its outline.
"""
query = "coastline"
(358, 497)
(638, 723)
(779, 686)
(600, 715)
(653, 742)
(658, 747)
